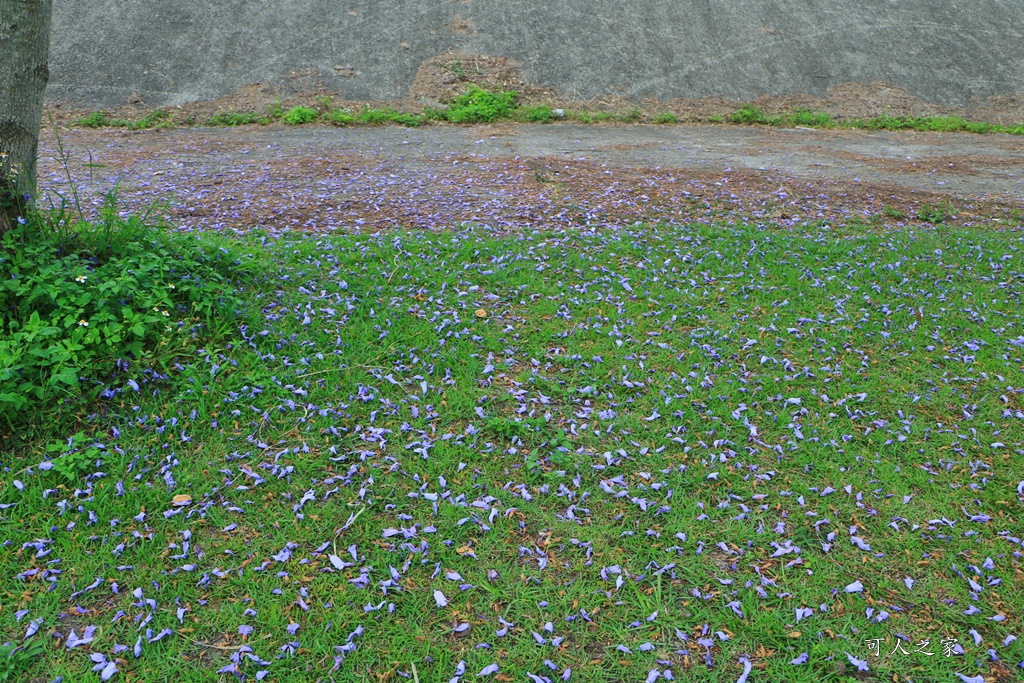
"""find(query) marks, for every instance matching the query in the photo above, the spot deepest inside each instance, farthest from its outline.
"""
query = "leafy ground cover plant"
(480, 106)
(299, 115)
(708, 452)
(16, 659)
(79, 300)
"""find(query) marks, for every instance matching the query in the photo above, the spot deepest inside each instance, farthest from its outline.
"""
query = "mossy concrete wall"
(175, 51)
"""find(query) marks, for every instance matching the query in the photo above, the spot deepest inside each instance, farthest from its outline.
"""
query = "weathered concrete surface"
(945, 51)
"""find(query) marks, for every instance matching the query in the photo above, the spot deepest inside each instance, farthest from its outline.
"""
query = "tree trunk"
(24, 50)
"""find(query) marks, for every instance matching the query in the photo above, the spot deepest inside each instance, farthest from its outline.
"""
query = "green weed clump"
(299, 115)
(79, 300)
(942, 124)
(806, 117)
(97, 119)
(158, 118)
(477, 105)
(538, 114)
(339, 117)
(936, 214)
(749, 114)
(226, 118)
(665, 117)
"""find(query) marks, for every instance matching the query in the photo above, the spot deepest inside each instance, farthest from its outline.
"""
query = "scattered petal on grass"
(455, 465)
(860, 664)
(33, 627)
(747, 666)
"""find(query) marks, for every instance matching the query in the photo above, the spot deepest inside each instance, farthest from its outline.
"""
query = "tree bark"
(24, 51)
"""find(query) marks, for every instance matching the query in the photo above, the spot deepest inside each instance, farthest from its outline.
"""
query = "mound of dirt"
(444, 77)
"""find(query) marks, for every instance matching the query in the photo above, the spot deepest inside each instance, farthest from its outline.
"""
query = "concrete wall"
(175, 51)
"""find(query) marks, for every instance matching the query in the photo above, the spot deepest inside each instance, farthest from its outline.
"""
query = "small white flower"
(166, 314)
(81, 278)
(83, 323)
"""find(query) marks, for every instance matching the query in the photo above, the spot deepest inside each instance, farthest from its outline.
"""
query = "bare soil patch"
(519, 177)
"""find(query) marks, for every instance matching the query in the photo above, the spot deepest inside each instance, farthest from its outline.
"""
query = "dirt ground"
(526, 176)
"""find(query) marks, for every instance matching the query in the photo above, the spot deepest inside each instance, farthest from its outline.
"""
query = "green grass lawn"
(633, 455)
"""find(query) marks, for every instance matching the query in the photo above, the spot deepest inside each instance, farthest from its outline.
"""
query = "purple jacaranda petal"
(488, 670)
(440, 599)
(801, 659)
(855, 587)
(860, 664)
(747, 666)
(33, 627)
(971, 679)
(74, 640)
(108, 671)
